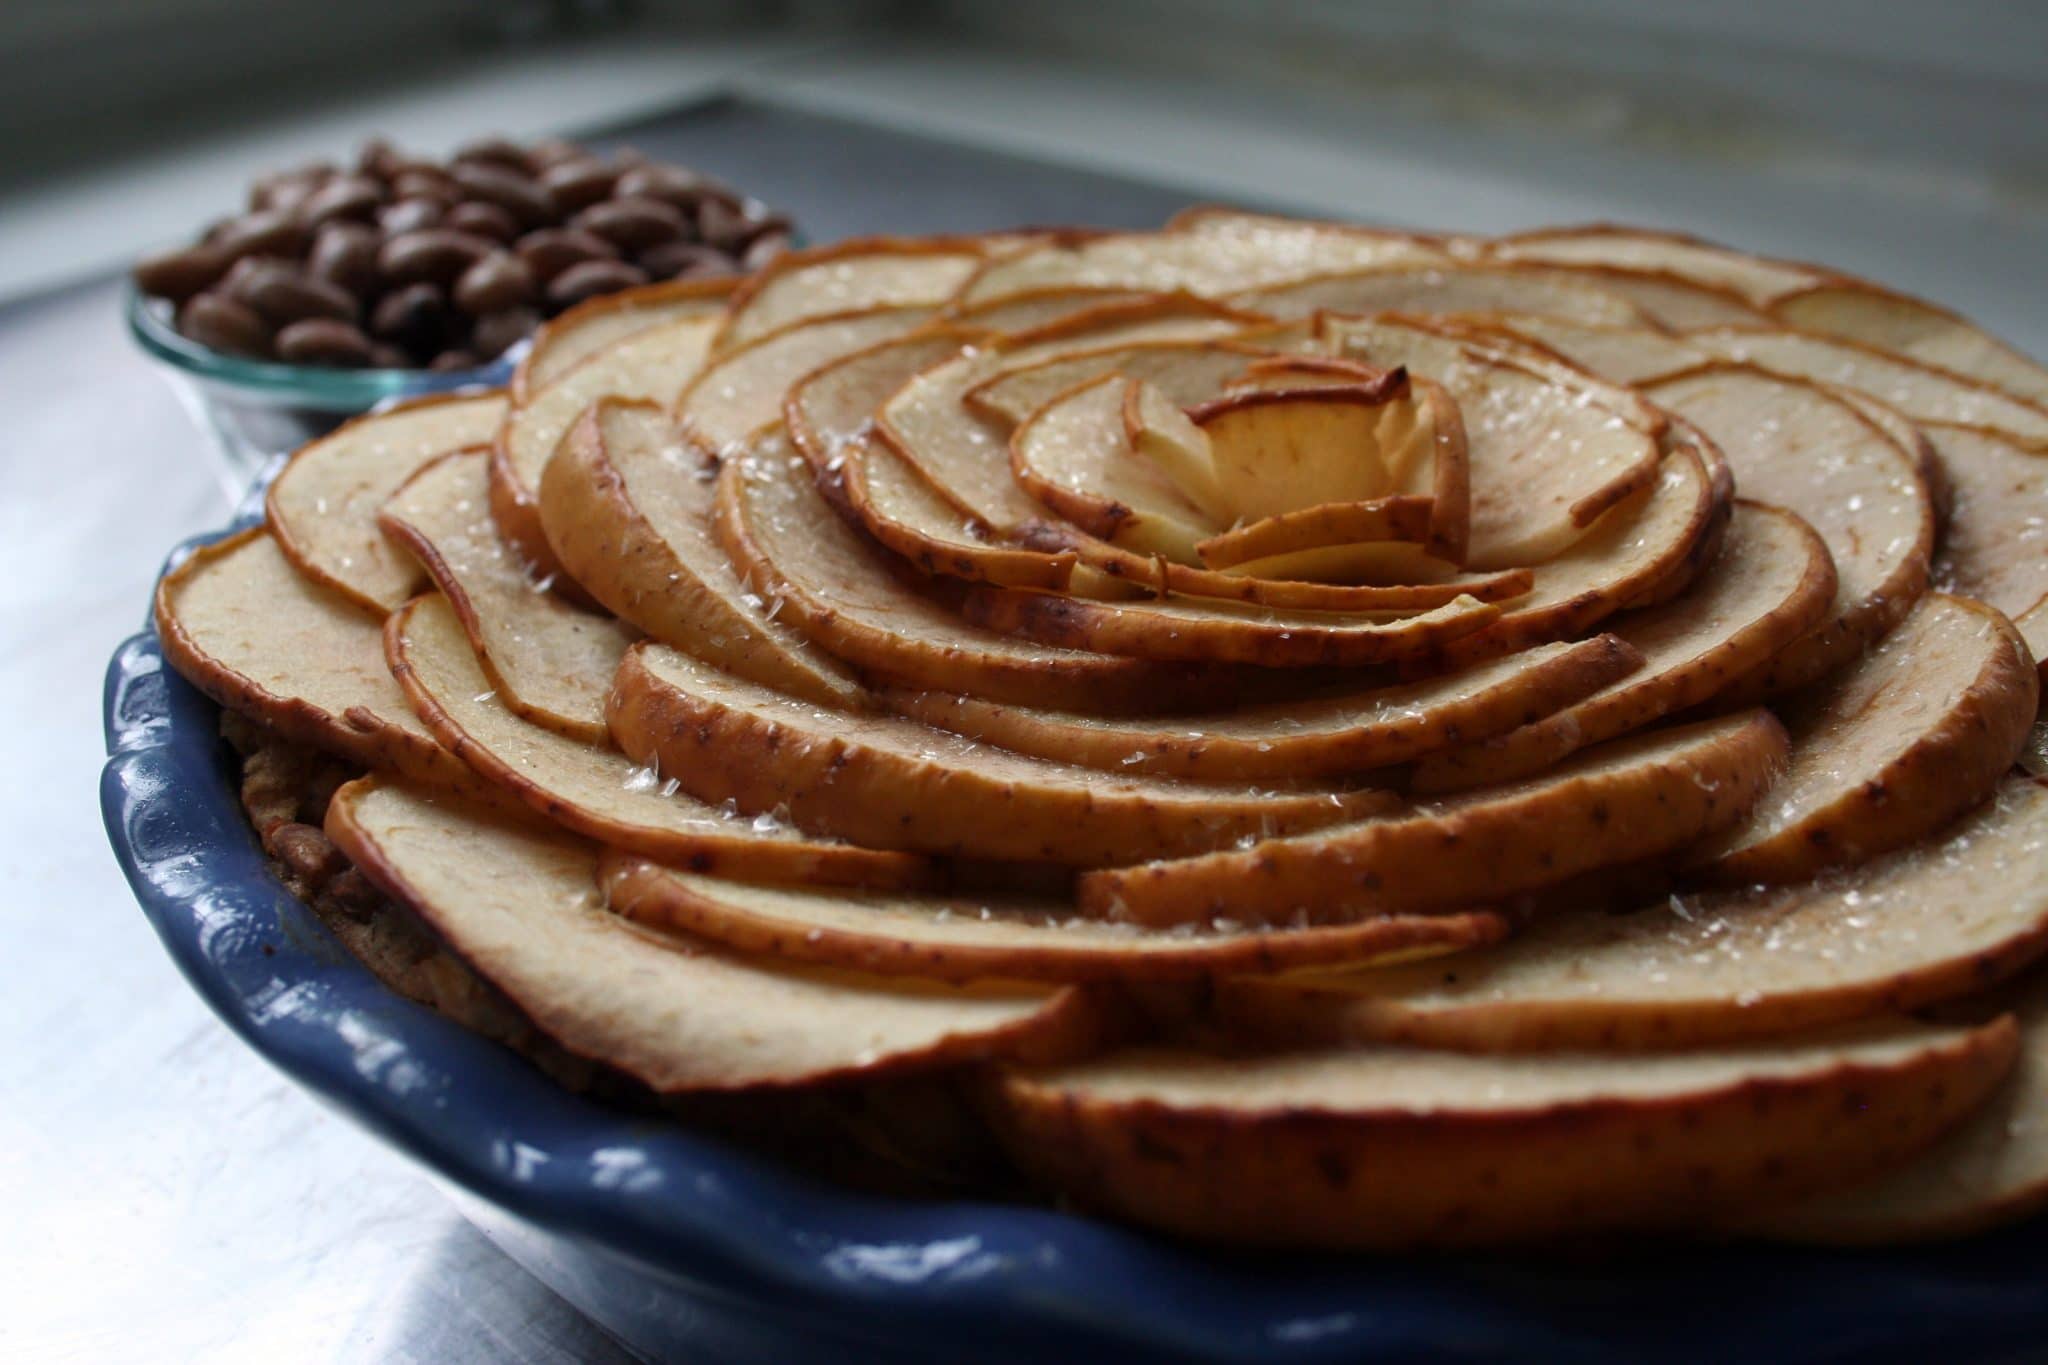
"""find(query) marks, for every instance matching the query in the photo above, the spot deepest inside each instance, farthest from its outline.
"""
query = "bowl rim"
(712, 1218)
(318, 387)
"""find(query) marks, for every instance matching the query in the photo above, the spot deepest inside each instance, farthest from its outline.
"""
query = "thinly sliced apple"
(1183, 372)
(1220, 258)
(1854, 310)
(323, 504)
(1892, 747)
(239, 623)
(953, 937)
(1912, 438)
(852, 276)
(1928, 924)
(1548, 448)
(886, 782)
(1757, 279)
(2032, 625)
(1639, 551)
(1918, 390)
(1195, 630)
(829, 416)
(1989, 1170)
(900, 509)
(550, 662)
(1425, 344)
(629, 510)
(519, 905)
(1230, 219)
(1120, 320)
(962, 452)
(645, 363)
(1772, 582)
(793, 549)
(724, 404)
(1626, 355)
(1996, 548)
(966, 544)
(1322, 736)
(594, 789)
(834, 406)
(1451, 288)
(594, 325)
(1035, 308)
(1794, 446)
(1072, 455)
(1668, 299)
(1635, 798)
(1279, 450)
(1389, 1147)
(1159, 430)
(1251, 586)
(1265, 547)
(1289, 370)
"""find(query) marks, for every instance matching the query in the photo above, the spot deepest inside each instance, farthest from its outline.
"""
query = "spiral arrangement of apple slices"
(1332, 737)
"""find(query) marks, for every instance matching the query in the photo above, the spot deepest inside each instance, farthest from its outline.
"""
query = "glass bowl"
(255, 410)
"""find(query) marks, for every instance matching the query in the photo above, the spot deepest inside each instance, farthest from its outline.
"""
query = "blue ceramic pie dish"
(688, 1248)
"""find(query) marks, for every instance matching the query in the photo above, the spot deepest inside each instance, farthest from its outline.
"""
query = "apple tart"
(1302, 734)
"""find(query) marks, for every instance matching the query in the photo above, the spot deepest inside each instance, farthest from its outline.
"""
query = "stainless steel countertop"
(167, 1195)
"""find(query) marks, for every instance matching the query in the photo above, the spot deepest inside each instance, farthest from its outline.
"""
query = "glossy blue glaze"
(686, 1248)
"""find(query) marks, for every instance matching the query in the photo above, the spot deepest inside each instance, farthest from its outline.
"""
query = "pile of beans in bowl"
(400, 262)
